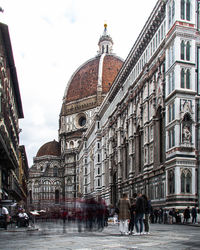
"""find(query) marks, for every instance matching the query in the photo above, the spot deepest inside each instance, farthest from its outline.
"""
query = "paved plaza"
(53, 235)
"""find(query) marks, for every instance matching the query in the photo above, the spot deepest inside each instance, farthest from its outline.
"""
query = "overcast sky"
(50, 40)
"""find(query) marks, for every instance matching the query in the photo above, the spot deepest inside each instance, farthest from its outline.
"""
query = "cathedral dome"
(100, 71)
(95, 75)
(49, 148)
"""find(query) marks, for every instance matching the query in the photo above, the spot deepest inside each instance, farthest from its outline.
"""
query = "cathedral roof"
(85, 81)
(97, 74)
(49, 148)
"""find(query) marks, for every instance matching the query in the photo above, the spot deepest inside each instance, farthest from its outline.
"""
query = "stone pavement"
(52, 235)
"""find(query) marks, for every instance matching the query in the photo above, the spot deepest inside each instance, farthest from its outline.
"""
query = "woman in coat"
(124, 214)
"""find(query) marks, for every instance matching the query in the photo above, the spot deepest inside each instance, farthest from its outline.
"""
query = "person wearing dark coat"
(140, 209)
(147, 211)
(194, 215)
(186, 215)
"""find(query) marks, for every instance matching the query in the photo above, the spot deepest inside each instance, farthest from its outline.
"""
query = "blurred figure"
(124, 214)
(100, 213)
(111, 210)
(160, 215)
(147, 211)
(90, 213)
(155, 211)
(64, 215)
(106, 216)
(79, 212)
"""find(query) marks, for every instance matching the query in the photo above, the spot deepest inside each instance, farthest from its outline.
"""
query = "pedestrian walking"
(139, 214)
(124, 214)
(186, 215)
(156, 212)
(194, 215)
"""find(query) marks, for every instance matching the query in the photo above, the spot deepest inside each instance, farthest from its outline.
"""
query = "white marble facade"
(144, 137)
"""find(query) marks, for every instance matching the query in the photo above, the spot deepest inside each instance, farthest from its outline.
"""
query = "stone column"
(177, 180)
(166, 185)
(110, 178)
(193, 186)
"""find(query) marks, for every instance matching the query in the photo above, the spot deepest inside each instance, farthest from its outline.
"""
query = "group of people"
(137, 212)
(134, 213)
(89, 214)
(175, 215)
(21, 218)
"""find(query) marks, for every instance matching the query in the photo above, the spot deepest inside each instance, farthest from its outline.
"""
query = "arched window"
(57, 196)
(169, 83)
(186, 181)
(188, 79)
(98, 158)
(182, 50)
(182, 183)
(182, 78)
(169, 16)
(46, 189)
(188, 10)
(30, 197)
(182, 9)
(171, 182)
(102, 49)
(36, 190)
(173, 10)
(173, 80)
(55, 171)
(106, 48)
(188, 51)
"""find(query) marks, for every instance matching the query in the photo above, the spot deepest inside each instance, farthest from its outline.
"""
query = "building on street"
(13, 161)
(136, 127)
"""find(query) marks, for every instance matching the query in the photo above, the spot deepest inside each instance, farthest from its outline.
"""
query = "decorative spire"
(105, 29)
(105, 42)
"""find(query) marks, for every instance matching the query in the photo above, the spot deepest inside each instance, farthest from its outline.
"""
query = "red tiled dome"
(101, 69)
(49, 148)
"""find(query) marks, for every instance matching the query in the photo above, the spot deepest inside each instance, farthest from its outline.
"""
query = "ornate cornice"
(140, 45)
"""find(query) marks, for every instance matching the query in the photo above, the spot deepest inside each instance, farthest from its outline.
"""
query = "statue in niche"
(186, 134)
